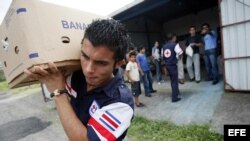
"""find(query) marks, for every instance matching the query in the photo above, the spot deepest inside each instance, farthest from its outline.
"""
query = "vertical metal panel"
(235, 21)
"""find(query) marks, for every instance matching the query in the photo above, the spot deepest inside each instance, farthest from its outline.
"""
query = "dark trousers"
(173, 73)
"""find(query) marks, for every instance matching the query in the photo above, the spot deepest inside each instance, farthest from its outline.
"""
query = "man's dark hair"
(170, 36)
(206, 24)
(140, 48)
(132, 54)
(209, 29)
(109, 33)
(192, 26)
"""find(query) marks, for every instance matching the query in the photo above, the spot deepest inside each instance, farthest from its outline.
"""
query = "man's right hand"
(52, 78)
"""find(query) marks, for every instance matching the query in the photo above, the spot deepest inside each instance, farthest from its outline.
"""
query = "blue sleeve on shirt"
(91, 134)
(138, 58)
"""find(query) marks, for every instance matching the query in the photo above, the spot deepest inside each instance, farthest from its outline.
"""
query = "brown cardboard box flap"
(66, 67)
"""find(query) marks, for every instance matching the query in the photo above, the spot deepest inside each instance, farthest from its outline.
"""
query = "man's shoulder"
(128, 66)
(169, 45)
(119, 93)
(125, 95)
(113, 117)
(139, 56)
(164, 46)
(130, 63)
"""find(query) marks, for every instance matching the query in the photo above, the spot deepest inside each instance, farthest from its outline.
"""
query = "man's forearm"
(73, 127)
(199, 44)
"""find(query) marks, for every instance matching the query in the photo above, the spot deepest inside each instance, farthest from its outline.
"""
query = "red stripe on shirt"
(103, 131)
(68, 87)
(110, 120)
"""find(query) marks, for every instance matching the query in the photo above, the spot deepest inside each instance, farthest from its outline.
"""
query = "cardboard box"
(34, 32)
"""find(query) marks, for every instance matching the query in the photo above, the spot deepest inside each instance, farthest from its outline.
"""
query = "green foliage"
(146, 130)
(2, 78)
(4, 88)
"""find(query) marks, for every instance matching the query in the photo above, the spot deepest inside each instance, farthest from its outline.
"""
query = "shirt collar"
(110, 88)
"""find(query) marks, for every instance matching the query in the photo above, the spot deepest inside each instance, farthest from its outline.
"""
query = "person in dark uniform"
(170, 53)
(195, 42)
(93, 103)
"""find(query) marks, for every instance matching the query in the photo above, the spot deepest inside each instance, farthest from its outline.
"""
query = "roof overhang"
(162, 10)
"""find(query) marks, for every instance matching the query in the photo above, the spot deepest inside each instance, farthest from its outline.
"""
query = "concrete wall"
(181, 25)
(144, 32)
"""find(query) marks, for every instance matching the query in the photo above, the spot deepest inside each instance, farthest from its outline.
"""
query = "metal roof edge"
(126, 7)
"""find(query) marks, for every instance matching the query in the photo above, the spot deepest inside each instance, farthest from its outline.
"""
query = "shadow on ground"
(19, 129)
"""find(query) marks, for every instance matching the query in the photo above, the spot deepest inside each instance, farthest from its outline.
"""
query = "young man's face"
(143, 50)
(205, 29)
(156, 44)
(192, 31)
(132, 58)
(174, 39)
(97, 63)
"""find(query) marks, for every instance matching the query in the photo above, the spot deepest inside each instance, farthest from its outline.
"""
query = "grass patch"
(2, 78)
(4, 88)
(146, 130)
(22, 89)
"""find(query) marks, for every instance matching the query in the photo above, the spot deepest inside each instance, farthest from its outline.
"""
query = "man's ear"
(119, 63)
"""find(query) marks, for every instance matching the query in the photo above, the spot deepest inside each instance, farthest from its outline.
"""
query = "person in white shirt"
(157, 61)
(132, 72)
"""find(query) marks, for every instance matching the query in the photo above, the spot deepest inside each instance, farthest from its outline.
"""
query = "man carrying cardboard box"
(93, 104)
(35, 31)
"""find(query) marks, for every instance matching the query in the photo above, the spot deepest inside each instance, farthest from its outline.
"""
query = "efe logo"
(236, 132)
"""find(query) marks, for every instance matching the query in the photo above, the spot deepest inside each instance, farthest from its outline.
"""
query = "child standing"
(132, 72)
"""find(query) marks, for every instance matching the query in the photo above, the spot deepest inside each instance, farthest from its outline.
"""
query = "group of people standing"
(209, 42)
(172, 54)
(138, 69)
(94, 103)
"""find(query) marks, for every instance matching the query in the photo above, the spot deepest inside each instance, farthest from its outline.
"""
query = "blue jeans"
(158, 70)
(210, 59)
(147, 82)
